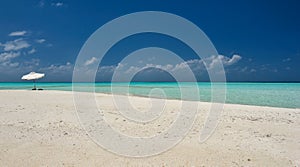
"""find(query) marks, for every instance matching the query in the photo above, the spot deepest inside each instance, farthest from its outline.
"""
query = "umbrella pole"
(34, 86)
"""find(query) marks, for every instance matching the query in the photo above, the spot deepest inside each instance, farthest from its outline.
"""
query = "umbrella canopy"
(33, 76)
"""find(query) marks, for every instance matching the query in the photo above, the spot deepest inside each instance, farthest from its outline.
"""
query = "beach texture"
(41, 128)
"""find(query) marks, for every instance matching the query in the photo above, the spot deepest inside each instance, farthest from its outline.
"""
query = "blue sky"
(256, 41)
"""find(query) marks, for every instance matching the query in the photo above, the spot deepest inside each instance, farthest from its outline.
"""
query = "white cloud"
(15, 64)
(106, 69)
(32, 62)
(244, 69)
(286, 60)
(183, 65)
(196, 65)
(15, 45)
(163, 67)
(90, 61)
(182, 69)
(40, 40)
(32, 51)
(57, 4)
(13, 49)
(9, 64)
(41, 3)
(17, 33)
(230, 61)
(133, 69)
(64, 68)
(7, 56)
(212, 61)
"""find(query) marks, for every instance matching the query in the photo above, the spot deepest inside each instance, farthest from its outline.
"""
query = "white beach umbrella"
(33, 76)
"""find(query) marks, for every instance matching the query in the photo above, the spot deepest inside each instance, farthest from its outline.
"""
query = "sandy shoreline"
(40, 128)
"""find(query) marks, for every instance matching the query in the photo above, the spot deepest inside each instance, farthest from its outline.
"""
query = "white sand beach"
(41, 128)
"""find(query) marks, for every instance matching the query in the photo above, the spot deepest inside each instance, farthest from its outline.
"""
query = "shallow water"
(285, 95)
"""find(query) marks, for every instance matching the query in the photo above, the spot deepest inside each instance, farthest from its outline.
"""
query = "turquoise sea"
(285, 95)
